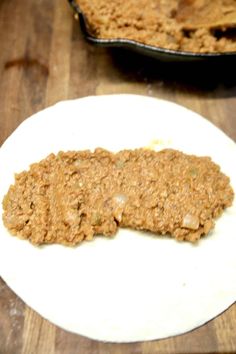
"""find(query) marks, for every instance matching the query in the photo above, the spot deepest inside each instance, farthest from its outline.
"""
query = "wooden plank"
(38, 334)
(44, 58)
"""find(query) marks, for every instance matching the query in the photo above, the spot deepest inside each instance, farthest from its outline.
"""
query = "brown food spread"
(73, 196)
(190, 25)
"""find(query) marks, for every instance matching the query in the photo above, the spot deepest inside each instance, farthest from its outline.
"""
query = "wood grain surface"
(44, 59)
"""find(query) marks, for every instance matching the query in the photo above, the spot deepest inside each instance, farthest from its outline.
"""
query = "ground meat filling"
(73, 196)
(189, 25)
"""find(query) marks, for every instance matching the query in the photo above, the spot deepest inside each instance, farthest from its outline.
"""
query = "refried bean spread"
(75, 195)
(188, 25)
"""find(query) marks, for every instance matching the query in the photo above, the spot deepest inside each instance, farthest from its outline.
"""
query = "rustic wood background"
(44, 59)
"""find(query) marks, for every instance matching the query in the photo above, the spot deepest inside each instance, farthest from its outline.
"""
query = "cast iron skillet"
(148, 50)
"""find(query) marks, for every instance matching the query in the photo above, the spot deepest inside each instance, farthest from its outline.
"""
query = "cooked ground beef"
(73, 196)
(173, 24)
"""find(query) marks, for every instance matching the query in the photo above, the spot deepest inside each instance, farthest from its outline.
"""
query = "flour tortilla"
(136, 286)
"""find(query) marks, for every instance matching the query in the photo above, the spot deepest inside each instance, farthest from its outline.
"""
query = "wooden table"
(44, 59)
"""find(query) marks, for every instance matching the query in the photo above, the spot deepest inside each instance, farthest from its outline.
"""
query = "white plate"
(133, 287)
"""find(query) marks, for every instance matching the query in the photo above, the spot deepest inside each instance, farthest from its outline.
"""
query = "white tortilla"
(133, 287)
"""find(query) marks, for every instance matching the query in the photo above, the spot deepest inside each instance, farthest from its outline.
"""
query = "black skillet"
(147, 50)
